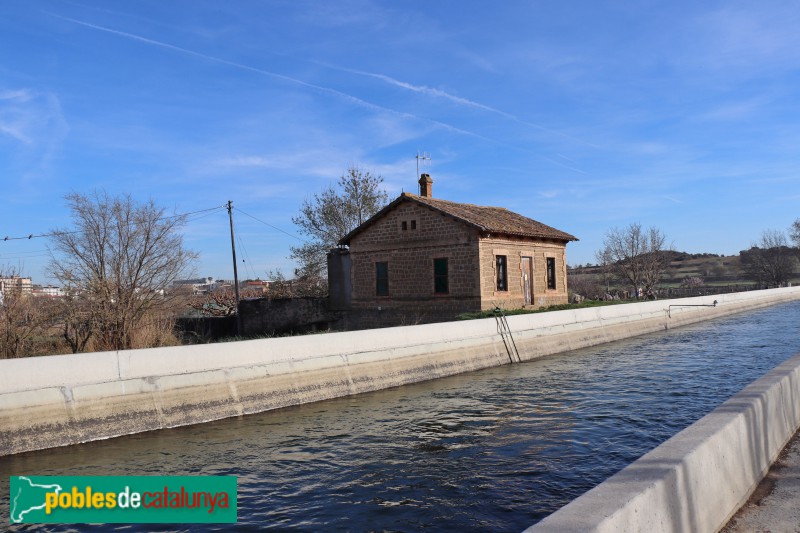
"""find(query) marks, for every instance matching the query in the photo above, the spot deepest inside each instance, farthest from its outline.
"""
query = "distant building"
(255, 287)
(196, 286)
(425, 260)
(15, 284)
(47, 291)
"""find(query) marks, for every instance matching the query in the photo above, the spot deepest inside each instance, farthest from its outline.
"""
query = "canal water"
(497, 449)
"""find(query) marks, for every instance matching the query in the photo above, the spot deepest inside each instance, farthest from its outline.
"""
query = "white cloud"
(14, 129)
(34, 120)
(350, 13)
(18, 95)
(671, 199)
(257, 161)
(17, 119)
(748, 36)
(734, 110)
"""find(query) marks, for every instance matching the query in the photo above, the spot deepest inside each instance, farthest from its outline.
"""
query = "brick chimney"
(426, 186)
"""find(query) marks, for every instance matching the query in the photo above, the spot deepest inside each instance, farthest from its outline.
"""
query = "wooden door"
(527, 280)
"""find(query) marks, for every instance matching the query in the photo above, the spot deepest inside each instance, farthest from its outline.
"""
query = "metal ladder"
(505, 333)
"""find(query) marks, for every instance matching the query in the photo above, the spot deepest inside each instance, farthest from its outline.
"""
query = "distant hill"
(712, 269)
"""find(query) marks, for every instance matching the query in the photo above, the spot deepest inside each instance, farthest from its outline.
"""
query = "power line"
(271, 226)
(54, 233)
(194, 212)
(248, 264)
(192, 219)
(4, 257)
(39, 236)
(28, 252)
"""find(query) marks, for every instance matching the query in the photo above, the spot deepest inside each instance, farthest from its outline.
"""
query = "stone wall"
(399, 315)
(206, 328)
(263, 316)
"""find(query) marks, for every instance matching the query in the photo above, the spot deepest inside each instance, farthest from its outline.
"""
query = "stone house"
(422, 259)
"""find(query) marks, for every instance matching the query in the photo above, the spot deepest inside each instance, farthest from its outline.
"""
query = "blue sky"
(582, 115)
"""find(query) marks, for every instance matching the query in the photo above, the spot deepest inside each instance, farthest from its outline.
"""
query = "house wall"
(410, 255)
(515, 250)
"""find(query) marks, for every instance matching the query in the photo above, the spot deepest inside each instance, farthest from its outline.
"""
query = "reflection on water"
(497, 449)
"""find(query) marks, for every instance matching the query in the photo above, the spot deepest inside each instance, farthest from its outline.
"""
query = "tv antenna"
(425, 156)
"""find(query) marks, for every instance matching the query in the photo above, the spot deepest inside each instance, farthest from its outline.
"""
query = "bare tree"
(222, 301)
(299, 287)
(22, 319)
(770, 261)
(794, 233)
(636, 255)
(692, 282)
(330, 215)
(605, 263)
(119, 258)
(78, 319)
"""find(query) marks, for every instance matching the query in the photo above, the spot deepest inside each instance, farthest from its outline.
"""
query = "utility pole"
(235, 273)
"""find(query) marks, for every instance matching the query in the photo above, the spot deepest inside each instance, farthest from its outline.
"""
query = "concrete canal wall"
(696, 480)
(60, 400)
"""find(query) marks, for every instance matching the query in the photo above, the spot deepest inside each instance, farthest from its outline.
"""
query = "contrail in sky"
(228, 62)
(328, 90)
(334, 92)
(453, 98)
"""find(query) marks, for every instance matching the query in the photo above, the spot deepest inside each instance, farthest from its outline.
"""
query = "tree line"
(772, 260)
(638, 257)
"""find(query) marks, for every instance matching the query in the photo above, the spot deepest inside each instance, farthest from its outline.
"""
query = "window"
(551, 272)
(404, 225)
(440, 281)
(502, 273)
(382, 278)
(413, 224)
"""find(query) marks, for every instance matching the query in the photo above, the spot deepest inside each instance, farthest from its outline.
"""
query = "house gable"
(409, 240)
(409, 224)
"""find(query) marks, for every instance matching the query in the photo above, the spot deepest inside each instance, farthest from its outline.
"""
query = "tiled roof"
(496, 220)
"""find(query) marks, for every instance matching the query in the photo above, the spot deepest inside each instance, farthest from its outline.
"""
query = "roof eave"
(565, 239)
(345, 241)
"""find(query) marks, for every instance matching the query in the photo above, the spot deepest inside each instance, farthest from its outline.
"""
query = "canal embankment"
(698, 479)
(54, 401)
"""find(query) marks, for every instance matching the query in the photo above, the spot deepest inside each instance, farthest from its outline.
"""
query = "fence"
(705, 290)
